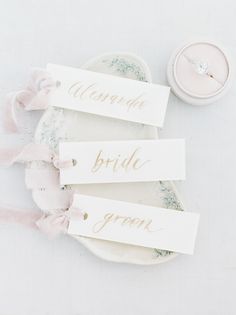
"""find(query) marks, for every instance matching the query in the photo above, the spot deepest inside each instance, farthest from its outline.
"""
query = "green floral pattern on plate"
(124, 68)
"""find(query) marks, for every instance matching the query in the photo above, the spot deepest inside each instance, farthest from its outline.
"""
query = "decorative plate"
(57, 124)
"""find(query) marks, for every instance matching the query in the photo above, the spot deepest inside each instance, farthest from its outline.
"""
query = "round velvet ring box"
(200, 72)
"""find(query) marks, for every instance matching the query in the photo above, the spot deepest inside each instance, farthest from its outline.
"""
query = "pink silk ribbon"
(34, 97)
(58, 222)
(26, 218)
(32, 152)
(28, 153)
(51, 224)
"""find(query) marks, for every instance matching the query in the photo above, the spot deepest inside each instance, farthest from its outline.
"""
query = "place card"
(122, 161)
(108, 95)
(135, 224)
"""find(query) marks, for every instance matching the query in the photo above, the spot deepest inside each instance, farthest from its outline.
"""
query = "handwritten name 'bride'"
(83, 92)
(131, 162)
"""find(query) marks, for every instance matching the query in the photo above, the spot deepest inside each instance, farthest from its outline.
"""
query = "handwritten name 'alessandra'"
(82, 92)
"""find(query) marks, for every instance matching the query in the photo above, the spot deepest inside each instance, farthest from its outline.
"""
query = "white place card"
(123, 161)
(108, 95)
(135, 224)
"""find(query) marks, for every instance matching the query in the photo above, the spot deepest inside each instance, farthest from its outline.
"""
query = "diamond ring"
(202, 68)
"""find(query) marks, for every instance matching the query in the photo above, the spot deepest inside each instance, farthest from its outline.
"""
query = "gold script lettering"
(123, 221)
(132, 162)
(84, 91)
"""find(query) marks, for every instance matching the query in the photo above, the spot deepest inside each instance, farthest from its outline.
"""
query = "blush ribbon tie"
(51, 224)
(58, 222)
(32, 152)
(34, 97)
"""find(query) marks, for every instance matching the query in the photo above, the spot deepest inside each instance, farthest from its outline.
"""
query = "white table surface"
(60, 277)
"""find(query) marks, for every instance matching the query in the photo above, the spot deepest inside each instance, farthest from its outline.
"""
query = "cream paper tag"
(108, 95)
(123, 161)
(135, 224)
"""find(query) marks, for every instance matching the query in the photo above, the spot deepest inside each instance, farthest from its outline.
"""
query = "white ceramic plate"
(58, 124)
